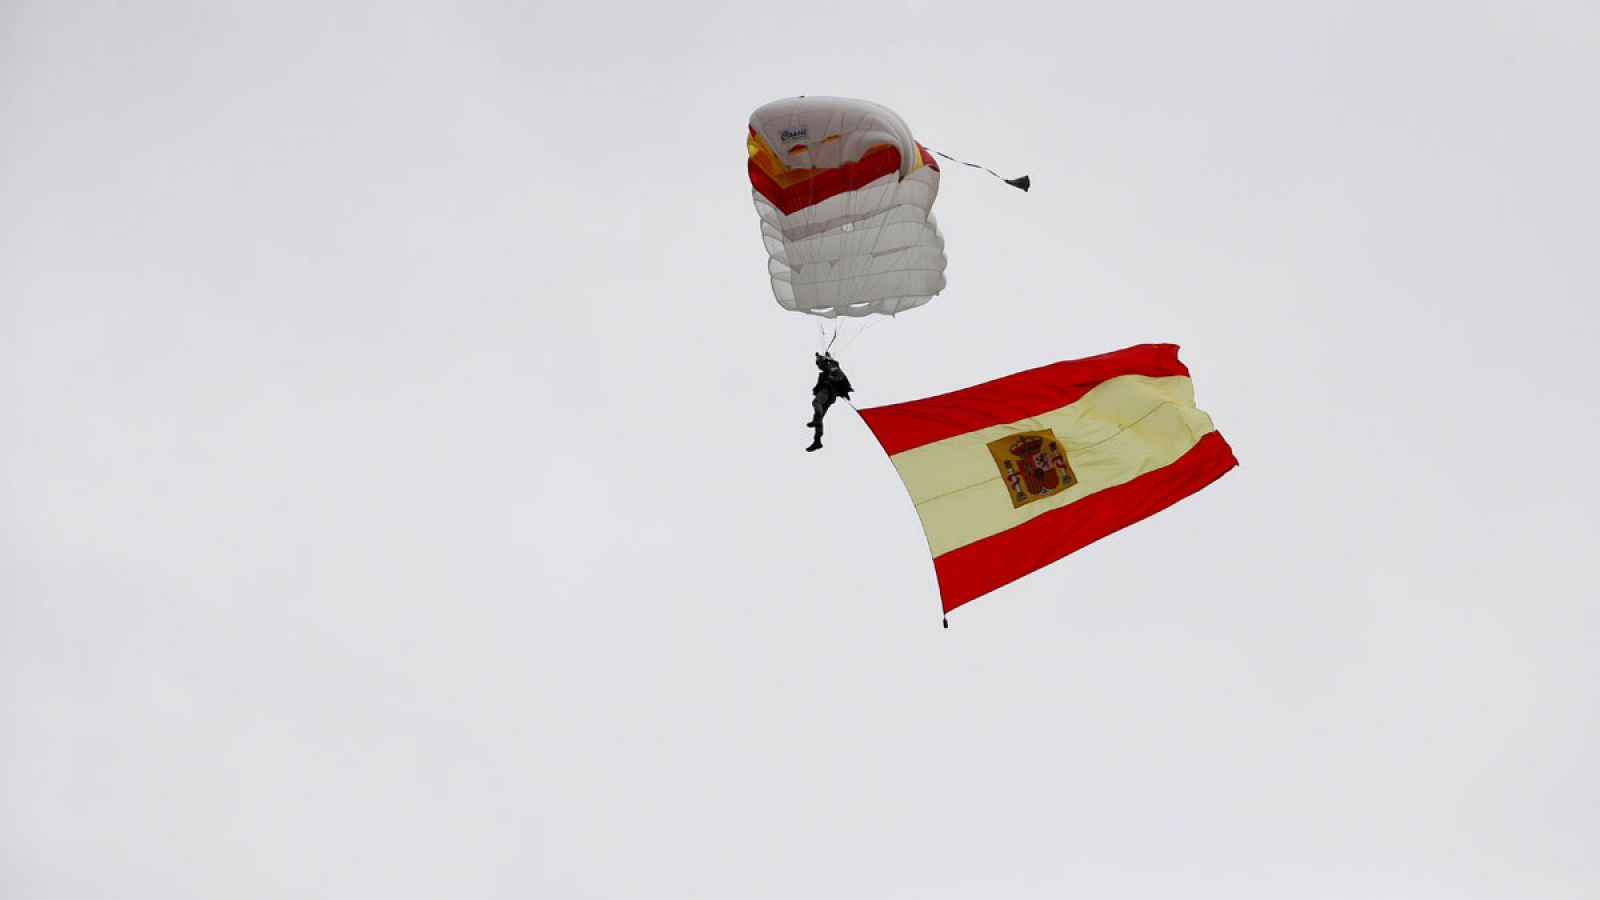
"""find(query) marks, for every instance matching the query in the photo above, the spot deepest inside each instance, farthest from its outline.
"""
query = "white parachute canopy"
(845, 196)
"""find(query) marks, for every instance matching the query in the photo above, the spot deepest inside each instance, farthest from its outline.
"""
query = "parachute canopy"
(845, 196)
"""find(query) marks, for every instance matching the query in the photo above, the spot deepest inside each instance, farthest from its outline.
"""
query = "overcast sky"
(402, 491)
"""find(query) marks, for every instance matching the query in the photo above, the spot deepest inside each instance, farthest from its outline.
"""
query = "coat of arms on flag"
(1032, 465)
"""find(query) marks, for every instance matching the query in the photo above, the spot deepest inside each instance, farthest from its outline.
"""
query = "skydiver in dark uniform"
(831, 385)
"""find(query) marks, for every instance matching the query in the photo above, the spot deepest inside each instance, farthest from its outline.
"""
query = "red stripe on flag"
(903, 426)
(966, 573)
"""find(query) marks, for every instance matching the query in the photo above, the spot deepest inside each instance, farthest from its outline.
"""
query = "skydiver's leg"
(820, 401)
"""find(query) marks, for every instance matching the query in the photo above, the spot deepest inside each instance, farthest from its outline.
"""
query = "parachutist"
(831, 385)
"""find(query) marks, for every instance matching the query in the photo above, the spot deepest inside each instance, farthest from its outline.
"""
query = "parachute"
(845, 196)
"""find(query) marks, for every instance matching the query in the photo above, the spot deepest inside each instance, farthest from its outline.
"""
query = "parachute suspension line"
(863, 330)
(827, 334)
(1021, 182)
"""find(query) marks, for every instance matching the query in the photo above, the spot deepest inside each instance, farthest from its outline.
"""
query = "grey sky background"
(401, 486)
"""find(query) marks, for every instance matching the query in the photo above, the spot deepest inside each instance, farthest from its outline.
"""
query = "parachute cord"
(875, 320)
(1022, 182)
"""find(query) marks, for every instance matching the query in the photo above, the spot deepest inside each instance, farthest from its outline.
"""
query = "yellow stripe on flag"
(1123, 428)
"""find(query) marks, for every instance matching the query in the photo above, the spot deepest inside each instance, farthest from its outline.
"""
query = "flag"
(1013, 474)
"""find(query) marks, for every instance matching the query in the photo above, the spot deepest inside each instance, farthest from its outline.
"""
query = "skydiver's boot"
(816, 437)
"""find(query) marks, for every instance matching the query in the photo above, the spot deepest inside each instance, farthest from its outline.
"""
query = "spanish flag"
(1013, 474)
